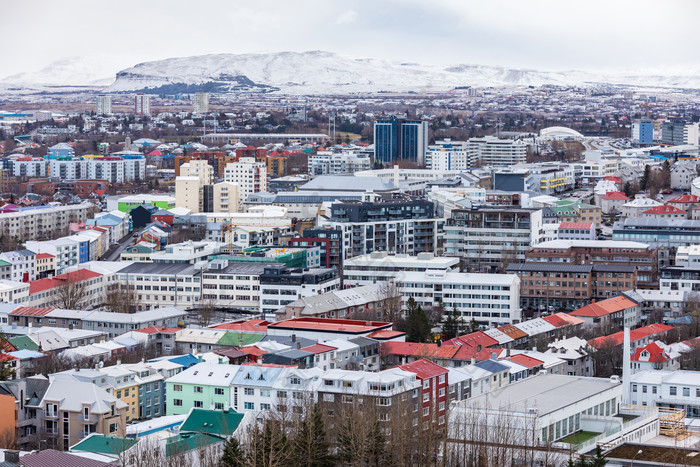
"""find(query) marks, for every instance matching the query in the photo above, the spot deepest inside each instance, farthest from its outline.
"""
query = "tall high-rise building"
(251, 176)
(200, 103)
(397, 138)
(643, 131)
(104, 104)
(142, 104)
(676, 132)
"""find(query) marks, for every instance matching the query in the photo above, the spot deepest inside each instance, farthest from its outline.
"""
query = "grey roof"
(361, 341)
(26, 253)
(546, 393)
(241, 268)
(53, 458)
(654, 222)
(159, 268)
(347, 183)
(292, 353)
(287, 340)
(614, 267)
(550, 267)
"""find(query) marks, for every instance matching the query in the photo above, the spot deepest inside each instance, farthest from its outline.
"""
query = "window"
(218, 405)
(426, 411)
(673, 390)
(264, 393)
(295, 380)
(282, 394)
(634, 388)
(198, 389)
(686, 392)
(113, 427)
(441, 392)
(249, 391)
(329, 397)
(426, 397)
(653, 389)
(426, 384)
(264, 406)
(644, 389)
(347, 399)
(384, 401)
(249, 405)
(198, 404)
(219, 391)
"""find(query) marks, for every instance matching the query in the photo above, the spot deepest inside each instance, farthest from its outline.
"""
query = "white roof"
(206, 374)
(441, 277)
(535, 326)
(566, 244)
(571, 348)
(514, 367)
(73, 394)
(501, 337)
(200, 336)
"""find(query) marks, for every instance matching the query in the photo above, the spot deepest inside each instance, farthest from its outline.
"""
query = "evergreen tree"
(348, 443)
(271, 447)
(6, 370)
(628, 189)
(599, 460)
(311, 447)
(418, 326)
(453, 324)
(474, 326)
(233, 455)
(644, 182)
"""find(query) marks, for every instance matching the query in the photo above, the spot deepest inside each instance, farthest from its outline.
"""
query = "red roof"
(615, 195)
(44, 256)
(556, 320)
(253, 350)
(664, 209)
(688, 199)
(385, 334)
(330, 325)
(656, 353)
(605, 307)
(250, 325)
(525, 360)
(576, 225)
(53, 282)
(31, 311)
(613, 179)
(319, 348)
(635, 335)
(424, 369)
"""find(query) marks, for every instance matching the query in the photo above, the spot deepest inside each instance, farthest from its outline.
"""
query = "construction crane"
(646, 104)
(227, 229)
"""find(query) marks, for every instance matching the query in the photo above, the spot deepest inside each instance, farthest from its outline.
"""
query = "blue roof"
(185, 360)
(492, 366)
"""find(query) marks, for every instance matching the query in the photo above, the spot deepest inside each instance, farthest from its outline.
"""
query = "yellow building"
(125, 387)
(45, 264)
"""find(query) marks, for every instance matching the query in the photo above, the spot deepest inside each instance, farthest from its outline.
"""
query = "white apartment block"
(75, 169)
(662, 388)
(142, 104)
(450, 155)
(103, 104)
(251, 176)
(23, 263)
(42, 221)
(13, 291)
(327, 163)
(66, 251)
(200, 103)
(28, 167)
(491, 150)
(117, 171)
(381, 267)
(594, 170)
(491, 299)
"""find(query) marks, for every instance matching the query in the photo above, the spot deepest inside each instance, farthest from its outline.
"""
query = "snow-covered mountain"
(317, 72)
(324, 72)
(69, 71)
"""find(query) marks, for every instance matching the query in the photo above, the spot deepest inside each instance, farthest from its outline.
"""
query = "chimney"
(12, 456)
(294, 337)
(494, 356)
(119, 362)
(473, 360)
(626, 367)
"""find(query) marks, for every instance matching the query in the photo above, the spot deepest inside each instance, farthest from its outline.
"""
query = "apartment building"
(379, 267)
(434, 398)
(330, 163)
(450, 155)
(250, 175)
(612, 313)
(678, 389)
(41, 222)
(395, 226)
(280, 285)
(490, 299)
(629, 253)
(22, 265)
(489, 238)
(491, 150)
(71, 410)
(547, 286)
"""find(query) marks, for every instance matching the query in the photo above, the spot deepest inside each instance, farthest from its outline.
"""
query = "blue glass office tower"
(396, 139)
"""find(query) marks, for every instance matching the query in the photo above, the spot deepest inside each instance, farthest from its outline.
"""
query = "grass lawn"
(580, 437)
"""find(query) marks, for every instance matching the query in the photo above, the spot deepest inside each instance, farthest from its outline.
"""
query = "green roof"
(216, 422)
(240, 339)
(23, 343)
(103, 444)
(4, 263)
(185, 442)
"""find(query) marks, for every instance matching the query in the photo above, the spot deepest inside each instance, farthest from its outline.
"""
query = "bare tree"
(205, 312)
(71, 294)
(391, 301)
(121, 298)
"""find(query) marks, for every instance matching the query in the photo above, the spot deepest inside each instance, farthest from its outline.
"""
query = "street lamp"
(635, 456)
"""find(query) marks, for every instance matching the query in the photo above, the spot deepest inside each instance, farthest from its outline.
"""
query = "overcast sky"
(538, 34)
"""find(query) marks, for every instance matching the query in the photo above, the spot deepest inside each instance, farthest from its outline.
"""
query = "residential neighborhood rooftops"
(605, 307)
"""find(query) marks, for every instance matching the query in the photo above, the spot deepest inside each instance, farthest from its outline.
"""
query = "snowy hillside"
(314, 73)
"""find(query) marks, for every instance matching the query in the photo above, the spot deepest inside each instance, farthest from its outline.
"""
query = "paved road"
(126, 241)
